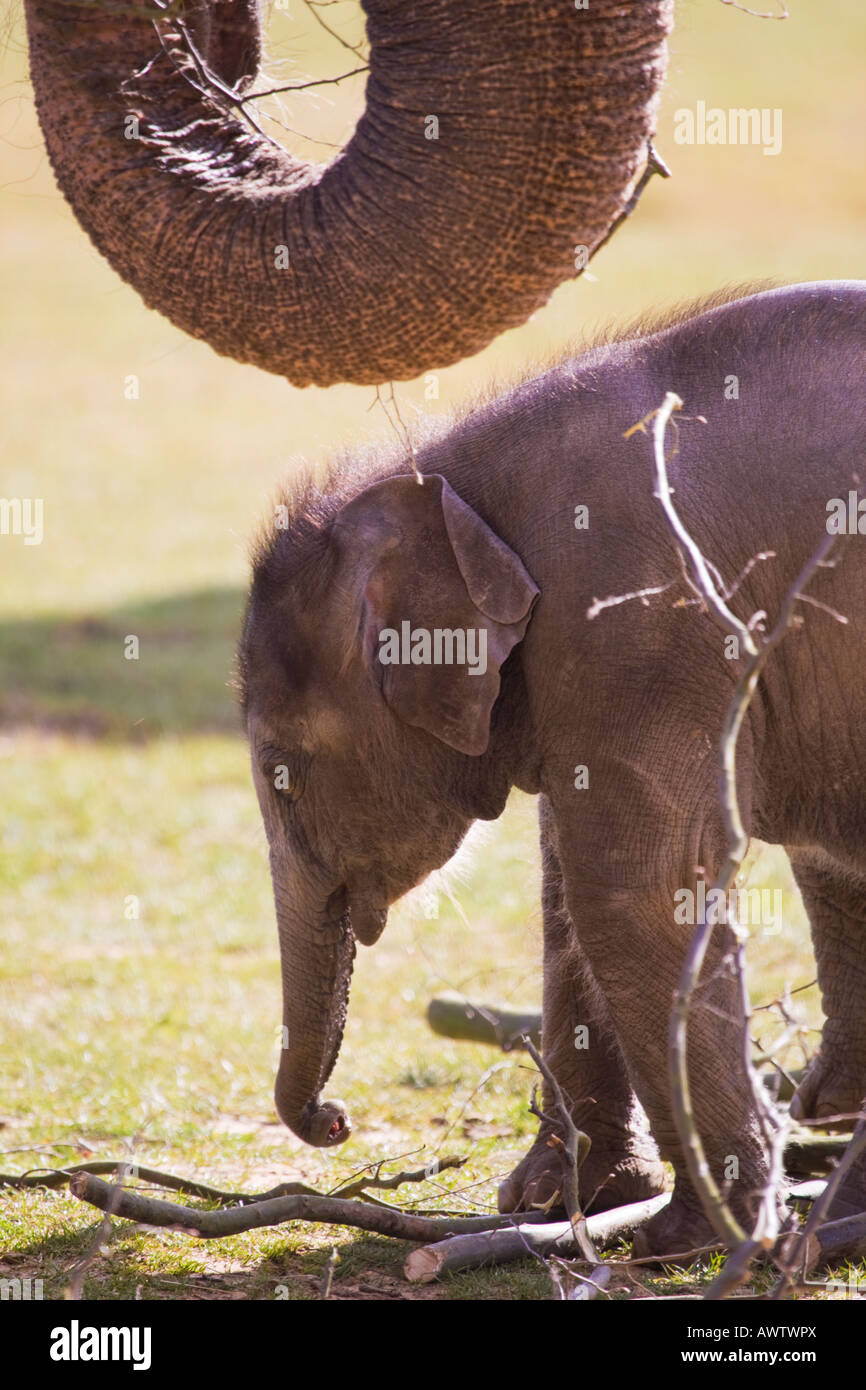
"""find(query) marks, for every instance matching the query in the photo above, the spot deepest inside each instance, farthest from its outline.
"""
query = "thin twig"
(759, 14)
(297, 86)
(576, 1146)
(114, 1193)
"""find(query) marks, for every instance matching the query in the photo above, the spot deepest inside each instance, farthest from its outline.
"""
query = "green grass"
(125, 783)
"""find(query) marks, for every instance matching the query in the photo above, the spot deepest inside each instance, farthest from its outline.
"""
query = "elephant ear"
(436, 584)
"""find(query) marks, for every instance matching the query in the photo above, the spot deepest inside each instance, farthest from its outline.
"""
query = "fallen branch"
(430, 1262)
(471, 1251)
(59, 1177)
(334, 1211)
(351, 1187)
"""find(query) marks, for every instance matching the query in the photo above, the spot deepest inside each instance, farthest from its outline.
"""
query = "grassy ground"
(139, 992)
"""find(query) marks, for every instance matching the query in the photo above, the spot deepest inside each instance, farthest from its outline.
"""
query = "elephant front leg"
(581, 1049)
(835, 1083)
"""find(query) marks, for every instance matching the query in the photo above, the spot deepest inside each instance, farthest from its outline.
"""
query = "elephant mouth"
(367, 922)
(366, 918)
(326, 1126)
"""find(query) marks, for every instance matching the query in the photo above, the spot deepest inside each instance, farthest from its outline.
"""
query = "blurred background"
(139, 983)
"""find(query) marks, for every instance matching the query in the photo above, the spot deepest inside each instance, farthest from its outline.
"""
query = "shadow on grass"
(72, 674)
(127, 1263)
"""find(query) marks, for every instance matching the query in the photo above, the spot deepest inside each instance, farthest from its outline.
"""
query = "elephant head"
(368, 774)
(499, 137)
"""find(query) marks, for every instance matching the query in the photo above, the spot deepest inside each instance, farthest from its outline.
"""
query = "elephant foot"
(606, 1179)
(677, 1235)
(674, 1235)
(828, 1089)
(850, 1200)
(850, 1197)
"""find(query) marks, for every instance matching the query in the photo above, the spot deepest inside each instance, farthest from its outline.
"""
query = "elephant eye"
(286, 772)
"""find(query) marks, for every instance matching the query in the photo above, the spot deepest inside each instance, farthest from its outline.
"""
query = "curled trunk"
(317, 951)
(498, 137)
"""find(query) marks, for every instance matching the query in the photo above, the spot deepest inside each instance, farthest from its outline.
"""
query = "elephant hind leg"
(581, 1048)
(835, 900)
(835, 1083)
(636, 938)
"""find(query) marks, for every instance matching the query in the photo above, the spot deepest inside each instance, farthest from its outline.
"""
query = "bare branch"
(759, 14)
(337, 1211)
(576, 1146)
(297, 86)
(715, 1206)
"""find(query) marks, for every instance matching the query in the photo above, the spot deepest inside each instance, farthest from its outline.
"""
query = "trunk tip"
(323, 1126)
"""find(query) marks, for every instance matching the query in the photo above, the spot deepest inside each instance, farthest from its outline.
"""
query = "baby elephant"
(412, 650)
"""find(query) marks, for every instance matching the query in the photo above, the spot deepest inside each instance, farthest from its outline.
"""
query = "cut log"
(782, 1086)
(839, 1240)
(814, 1153)
(501, 1025)
(472, 1251)
(556, 1238)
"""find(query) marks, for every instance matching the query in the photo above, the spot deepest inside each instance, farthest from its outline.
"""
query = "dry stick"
(352, 1187)
(590, 1287)
(804, 1154)
(715, 1206)
(295, 87)
(75, 1290)
(328, 1277)
(336, 1211)
(759, 14)
(59, 1177)
(775, 1133)
(576, 1147)
(357, 1187)
(473, 1241)
(333, 33)
(553, 1238)
(654, 165)
(429, 1262)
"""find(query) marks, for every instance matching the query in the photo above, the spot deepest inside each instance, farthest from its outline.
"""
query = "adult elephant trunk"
(317, 949)
(499, 138)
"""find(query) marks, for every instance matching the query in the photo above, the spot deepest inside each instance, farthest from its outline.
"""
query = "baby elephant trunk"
(317, 950)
